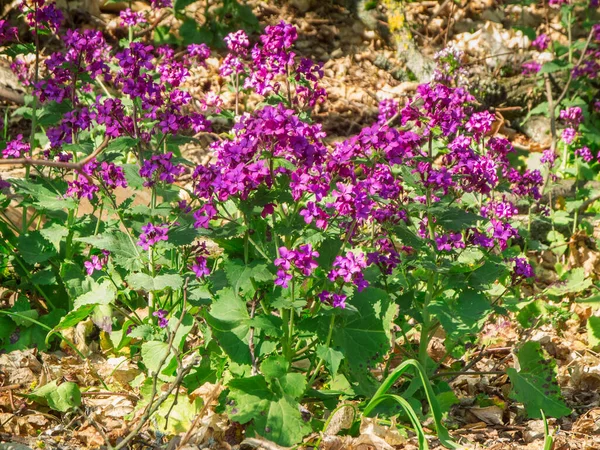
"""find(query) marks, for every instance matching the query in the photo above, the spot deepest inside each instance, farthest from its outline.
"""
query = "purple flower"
(15, 148)
(335, 300)
(112, 175)
(349, 269)
(558, 3)
(160, 168)
(446, 242)
(200, 267)
(81, 187)
(237, 42)
(200, 52)
(572, 116)
(548, 157)
(152, 234)
(585, 154)
(531, 67)
(388, 108)
(43, 16)
(302, 259)
(522, 269)
(541, 42)
(569, 135)
(161, 314)
(313, 212)
(130, 18)
(94, 263)
(480, 123)
(7, 33)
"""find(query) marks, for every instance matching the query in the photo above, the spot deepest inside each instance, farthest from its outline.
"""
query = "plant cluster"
(299, 264)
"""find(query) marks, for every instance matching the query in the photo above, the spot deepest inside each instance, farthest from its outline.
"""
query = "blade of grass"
(436, 411)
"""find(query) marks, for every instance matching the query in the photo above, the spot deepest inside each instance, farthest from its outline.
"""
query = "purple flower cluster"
(585, 153)
(152, 234)
(161, 315)
(531, 68)
(7, 33)
(160, 168)
(130, 18)
(349, 268)
(42, 15)
(522, 269)
(302, 259)
(96, 262)
(388, 108)
(572, 116)
(335, 300)
(16, 148)
(541, 42)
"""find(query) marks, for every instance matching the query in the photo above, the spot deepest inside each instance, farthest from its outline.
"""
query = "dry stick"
(89, 418)
(49, 163)
(214, 394)
(152, 26)
(566, 88)
(108, 393)
(154, 405)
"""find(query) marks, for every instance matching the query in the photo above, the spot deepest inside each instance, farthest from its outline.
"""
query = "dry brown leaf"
(118, 371)
(20, 367)
(342, 419)
(492, 415)
(373, 434)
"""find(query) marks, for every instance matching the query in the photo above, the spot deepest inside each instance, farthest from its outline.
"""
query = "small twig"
(60, 164)
(90, 418)
(108, 393)
(213, 395)
(472, 374)
(154, 24)
(566, 88)
(10, 387)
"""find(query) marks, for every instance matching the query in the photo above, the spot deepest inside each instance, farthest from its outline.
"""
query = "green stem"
(321, 360)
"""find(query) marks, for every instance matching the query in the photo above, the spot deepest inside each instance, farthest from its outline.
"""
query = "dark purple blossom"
(335, 300)
(160, 168)
(522, 268)
(200, 267)
(7, 33)
(152, 234)
(161, 314)
(585, 154)
(349, 268)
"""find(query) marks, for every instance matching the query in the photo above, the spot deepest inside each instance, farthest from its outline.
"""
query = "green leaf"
(456, 219)
(144, 332)
(34, 248)
(142, 281)
(230, 323)
(593, 331)
(55, 233)
(269, 401)
(121, 144)
(60, 398)
(240, 275)
(554, 66)
(152, 354)
(44, 198)
(573, 282)
(100, 294)
(331, 357)
(463, 316)
(535, 384)
(364, 336)
(124, 252)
